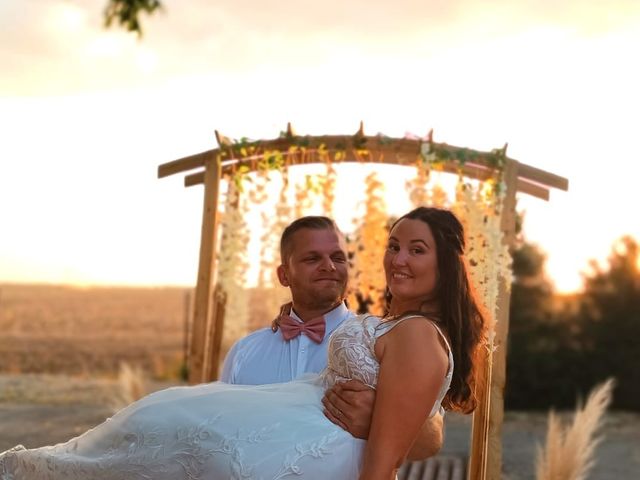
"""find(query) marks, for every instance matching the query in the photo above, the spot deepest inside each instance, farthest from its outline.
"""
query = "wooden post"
(214, 336)
(203, 297)
(486, 435)
(186, 324)
(480, 427)
(498, 371)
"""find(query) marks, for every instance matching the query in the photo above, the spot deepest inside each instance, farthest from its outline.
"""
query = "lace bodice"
(351, 353)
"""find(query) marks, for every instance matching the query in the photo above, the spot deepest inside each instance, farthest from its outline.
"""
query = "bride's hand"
(285, 309)
(350, 406)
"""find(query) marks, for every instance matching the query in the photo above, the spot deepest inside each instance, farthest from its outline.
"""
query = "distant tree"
(539, 347)
(127, 13)
(610, 318)
(544, 355)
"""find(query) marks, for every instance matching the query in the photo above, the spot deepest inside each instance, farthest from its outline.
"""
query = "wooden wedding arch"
(209, 305)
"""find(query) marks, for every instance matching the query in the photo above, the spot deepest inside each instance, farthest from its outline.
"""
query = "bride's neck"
(398, 308)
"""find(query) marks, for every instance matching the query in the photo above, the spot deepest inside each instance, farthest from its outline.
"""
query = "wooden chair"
(440, 467)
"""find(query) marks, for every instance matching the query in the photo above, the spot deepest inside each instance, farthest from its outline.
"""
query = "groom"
(315, 269)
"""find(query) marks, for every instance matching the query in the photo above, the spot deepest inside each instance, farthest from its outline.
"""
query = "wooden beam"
(403, 148)
(470, 171)
(401, 151)
(533, 189)
(204, 290)
(194, 179)
(543, 178)
(186, 163)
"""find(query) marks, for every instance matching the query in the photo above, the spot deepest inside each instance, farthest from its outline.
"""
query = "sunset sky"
(87, 114)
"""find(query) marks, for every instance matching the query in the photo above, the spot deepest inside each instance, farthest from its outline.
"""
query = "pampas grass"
(131, 386)
(569, 452)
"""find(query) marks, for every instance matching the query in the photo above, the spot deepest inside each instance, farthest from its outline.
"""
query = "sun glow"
(563, 93)
(68, 18)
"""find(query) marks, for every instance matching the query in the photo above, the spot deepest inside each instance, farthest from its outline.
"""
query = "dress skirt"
(213, 431)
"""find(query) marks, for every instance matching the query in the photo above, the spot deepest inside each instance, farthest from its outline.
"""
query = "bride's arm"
(413, 364)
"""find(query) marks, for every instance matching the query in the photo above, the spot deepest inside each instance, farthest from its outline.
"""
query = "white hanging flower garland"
(232, 261)
(477, 204)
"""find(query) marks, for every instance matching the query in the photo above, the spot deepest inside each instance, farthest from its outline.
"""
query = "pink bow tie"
(291, 328)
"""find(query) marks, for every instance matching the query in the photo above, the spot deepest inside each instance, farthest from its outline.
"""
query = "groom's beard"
(321, 298)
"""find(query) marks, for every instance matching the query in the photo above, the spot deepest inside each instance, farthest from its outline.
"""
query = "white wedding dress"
(219, 431)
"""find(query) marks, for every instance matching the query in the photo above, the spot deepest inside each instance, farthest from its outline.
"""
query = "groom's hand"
(350, 406)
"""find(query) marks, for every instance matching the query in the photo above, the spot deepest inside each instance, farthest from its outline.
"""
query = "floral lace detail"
(135, 454)
(146, 455)
(151, 454)
(351, 354)
(5, 474)
(315, 449)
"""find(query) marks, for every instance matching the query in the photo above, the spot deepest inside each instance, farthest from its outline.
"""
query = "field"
(77, 331)
(90, 331)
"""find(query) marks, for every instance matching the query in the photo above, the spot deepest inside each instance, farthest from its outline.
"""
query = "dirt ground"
(617, 456)
(37, 410)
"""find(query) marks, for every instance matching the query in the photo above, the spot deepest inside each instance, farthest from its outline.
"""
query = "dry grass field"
(90, 331)
(51, 329)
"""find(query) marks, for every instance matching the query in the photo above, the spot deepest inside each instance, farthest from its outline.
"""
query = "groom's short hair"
(313, 222)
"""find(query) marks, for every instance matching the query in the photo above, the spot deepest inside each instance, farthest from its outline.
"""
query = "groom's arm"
(350, 406)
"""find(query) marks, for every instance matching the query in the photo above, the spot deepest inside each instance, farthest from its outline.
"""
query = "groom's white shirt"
(265, 357)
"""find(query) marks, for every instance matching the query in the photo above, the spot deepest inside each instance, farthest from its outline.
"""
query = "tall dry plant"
(131, 386)
(569, 451)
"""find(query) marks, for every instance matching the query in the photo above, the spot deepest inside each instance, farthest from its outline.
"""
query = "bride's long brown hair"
(460, 314)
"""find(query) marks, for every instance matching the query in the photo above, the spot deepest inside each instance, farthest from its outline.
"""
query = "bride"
(221, 431)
